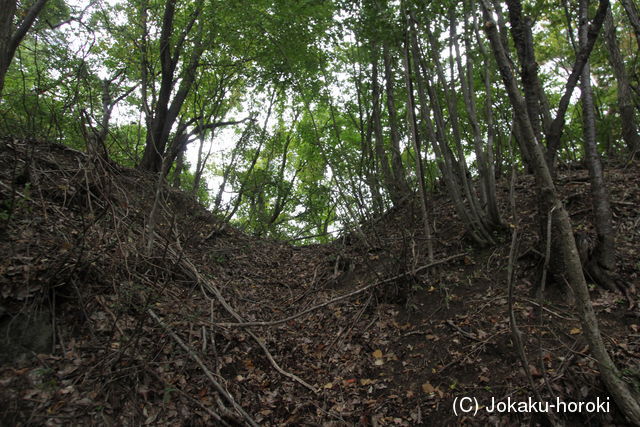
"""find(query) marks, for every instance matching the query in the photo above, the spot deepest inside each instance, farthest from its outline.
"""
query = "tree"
(167, 107)
(12, 33)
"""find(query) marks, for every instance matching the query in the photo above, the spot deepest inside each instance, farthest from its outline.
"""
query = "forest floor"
(135, 336)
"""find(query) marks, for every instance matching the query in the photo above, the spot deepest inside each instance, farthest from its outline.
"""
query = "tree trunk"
(456, 169)
(492, 204)
(397, 167)
(603, 263)
(381, 153)
(254, 160)
(523, 40)
(168, 105)
(177, 172)
(625, 102)
(485, 168)
(624, 396)
(415, 138)
(634, 17)
(475, 213)
(554, 133)
(367, 164)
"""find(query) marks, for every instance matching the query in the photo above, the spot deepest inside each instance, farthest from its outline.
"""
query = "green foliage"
(311, 166)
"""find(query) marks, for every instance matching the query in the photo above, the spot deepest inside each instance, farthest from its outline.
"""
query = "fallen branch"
(464, 333)
(208, 410)
(537, 304)
(340, 298)
(193, 273)
(206, 370)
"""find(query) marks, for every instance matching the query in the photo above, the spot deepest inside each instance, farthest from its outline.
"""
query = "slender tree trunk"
(625, 102)
(197, 176)
(634, 17)
(254, 160)
(381, 153)
(177, 172)
(445, 162)
(492, 204)
(485, 169)
(523, 39)
(284, 188)
(8, 8)
(415, 139)
(396, 154)
(231, 166)
(604, 254)
(370, 166)
(624, 396)
(364, 124)
(472, 216)
(475, 213)
(554, 132)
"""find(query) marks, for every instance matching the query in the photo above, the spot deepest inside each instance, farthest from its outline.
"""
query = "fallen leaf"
(377, 354)
(428, 388)
(575, 331)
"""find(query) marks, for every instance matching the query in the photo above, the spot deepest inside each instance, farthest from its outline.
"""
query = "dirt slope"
(78, 284)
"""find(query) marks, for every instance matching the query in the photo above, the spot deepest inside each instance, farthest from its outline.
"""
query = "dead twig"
(340, 298)
(204, 368)
(190, 270)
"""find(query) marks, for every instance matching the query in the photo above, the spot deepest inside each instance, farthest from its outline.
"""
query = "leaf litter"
(397, 353)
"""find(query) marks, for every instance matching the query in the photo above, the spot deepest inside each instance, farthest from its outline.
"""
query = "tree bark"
(476, 215)
(397, 167)
(634, 17)
(625, 101)
(381, 153)
(523, 40)
(604, 253)
(485, 170)
(472, 217)
(415, 139)
(554, 133)
(492, 204)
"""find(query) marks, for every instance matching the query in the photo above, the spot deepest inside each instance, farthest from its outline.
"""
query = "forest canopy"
(298, 118)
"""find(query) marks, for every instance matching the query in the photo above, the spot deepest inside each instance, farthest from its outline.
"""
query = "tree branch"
(555, 131)
(25, 25)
